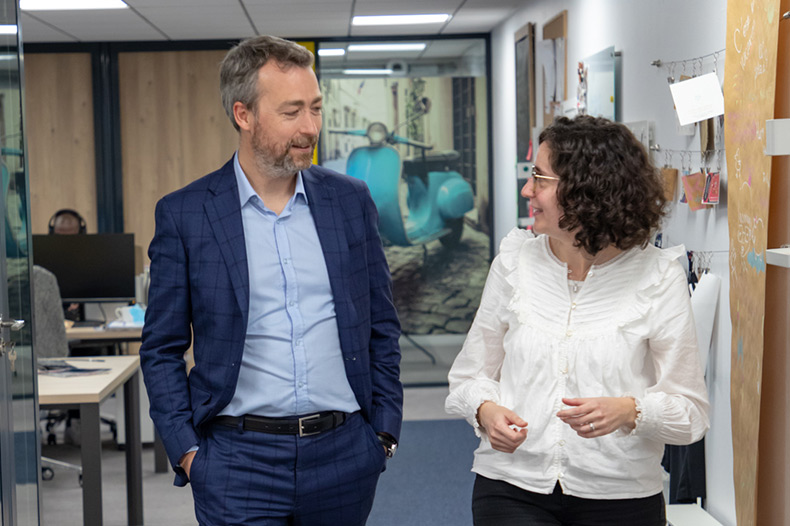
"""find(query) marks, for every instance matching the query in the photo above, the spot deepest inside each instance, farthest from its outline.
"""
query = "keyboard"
(87, 323)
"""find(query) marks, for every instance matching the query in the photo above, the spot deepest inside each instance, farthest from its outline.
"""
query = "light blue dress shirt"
(292, 363)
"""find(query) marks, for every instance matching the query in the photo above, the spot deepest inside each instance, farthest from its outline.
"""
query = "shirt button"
(298, 342)
(562, 442)
(285, 261)
(301, 384)
(573, 306)
(291, 303)
(569, 334)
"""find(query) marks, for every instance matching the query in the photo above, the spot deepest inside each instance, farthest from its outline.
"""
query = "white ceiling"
(233, 19)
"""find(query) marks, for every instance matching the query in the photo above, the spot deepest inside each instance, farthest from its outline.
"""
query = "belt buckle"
(301, 425)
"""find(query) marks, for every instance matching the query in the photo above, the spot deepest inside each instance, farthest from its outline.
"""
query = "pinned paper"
(698, 98)
(670, 182)
(694, 186)
(711, 194)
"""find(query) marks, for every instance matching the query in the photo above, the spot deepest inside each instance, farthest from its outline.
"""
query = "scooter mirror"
(426, 105)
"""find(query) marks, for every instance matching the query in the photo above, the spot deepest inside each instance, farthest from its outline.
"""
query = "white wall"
(642, 31)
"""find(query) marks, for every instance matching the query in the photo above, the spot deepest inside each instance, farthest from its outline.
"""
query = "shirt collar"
(246, 191)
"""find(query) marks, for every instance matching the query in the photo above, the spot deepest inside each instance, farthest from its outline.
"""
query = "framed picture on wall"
(410, 119)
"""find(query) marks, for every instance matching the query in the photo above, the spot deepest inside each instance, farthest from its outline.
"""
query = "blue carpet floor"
(429, 481)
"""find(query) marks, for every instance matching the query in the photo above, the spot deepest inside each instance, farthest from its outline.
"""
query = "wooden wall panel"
(173, 129)
(773, 476)
(60, 138)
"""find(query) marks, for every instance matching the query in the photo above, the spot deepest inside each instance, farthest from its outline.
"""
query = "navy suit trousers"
(260, 479)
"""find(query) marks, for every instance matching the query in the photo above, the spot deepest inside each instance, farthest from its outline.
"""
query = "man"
(277, 269)
(66, 221)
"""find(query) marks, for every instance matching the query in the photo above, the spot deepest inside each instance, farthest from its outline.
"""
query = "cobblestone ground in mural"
(438, 291)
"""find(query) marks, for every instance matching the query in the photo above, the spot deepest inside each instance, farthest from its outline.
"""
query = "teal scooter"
(437, 195)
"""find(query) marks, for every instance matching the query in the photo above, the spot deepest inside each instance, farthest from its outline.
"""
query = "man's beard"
(280, 163)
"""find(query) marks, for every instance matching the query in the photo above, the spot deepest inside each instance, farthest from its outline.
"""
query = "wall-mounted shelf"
(777, 137)
(779, 257)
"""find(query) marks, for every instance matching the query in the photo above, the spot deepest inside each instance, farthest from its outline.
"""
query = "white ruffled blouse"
(628, 332)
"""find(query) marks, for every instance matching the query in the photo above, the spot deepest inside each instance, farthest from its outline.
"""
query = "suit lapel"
(329, 223)
(223, 210)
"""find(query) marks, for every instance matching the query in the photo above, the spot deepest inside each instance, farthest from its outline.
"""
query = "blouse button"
(573, 306)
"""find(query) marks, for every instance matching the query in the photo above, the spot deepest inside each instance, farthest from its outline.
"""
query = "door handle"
(7, 347)
(14, 325)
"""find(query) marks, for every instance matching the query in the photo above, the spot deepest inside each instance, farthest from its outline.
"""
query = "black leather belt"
(304, 426)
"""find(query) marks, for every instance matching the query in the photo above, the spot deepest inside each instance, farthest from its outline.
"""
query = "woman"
(582, 361)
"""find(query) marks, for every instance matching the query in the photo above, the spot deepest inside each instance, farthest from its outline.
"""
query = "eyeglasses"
(539, 181)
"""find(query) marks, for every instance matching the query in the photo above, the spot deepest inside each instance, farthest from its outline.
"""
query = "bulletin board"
(750, 81)
(525, 91)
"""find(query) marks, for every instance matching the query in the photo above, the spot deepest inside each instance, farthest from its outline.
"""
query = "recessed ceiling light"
(6, 29)
(389, 20)
(331, 52)
(403, 46)
(68, 5)
(367, 71)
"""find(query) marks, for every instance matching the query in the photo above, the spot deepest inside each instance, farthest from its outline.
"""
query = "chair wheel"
(80, 479)
(51, 439)
(47, 474)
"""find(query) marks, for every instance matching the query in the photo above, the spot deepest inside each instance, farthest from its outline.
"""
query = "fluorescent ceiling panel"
(392, 20)
(367, 71)
(402, 46)
(331, 52)
(68, 5)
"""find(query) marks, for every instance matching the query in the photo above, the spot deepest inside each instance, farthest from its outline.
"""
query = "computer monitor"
(89, 267)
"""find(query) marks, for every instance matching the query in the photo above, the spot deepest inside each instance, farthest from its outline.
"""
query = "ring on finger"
(592, 426)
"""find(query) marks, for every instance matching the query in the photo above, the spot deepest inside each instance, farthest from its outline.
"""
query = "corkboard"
(750, 79)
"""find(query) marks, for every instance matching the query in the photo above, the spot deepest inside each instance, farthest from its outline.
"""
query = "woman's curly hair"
(608, 188)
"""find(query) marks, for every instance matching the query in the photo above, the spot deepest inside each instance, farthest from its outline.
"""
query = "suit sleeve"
(167, 336)
(384, 332)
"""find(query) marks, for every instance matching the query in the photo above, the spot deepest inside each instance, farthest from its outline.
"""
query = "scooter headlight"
(377, 133)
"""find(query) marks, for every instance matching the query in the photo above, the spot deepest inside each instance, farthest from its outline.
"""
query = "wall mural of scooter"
(437, 195)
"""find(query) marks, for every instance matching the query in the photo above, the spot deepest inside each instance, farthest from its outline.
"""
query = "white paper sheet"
(703, 304)
(698, 98)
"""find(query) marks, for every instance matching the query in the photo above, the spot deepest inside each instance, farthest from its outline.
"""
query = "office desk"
(102, 335)
(86, 393)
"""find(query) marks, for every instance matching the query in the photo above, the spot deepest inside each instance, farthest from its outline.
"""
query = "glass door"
(19, 442)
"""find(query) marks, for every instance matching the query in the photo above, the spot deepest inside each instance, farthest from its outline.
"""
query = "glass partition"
(19, 443)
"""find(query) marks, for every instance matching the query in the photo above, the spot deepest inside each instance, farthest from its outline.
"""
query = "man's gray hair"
(238, 75)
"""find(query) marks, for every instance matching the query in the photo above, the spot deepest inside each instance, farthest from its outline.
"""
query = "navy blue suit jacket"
(200, 286)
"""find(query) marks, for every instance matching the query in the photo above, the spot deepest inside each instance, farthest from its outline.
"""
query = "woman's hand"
(496, 421)
(595, 417)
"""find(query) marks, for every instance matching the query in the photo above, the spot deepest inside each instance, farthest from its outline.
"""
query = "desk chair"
(51, 342)
(50, 334)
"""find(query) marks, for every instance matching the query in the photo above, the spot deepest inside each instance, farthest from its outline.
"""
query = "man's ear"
(243, 116)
